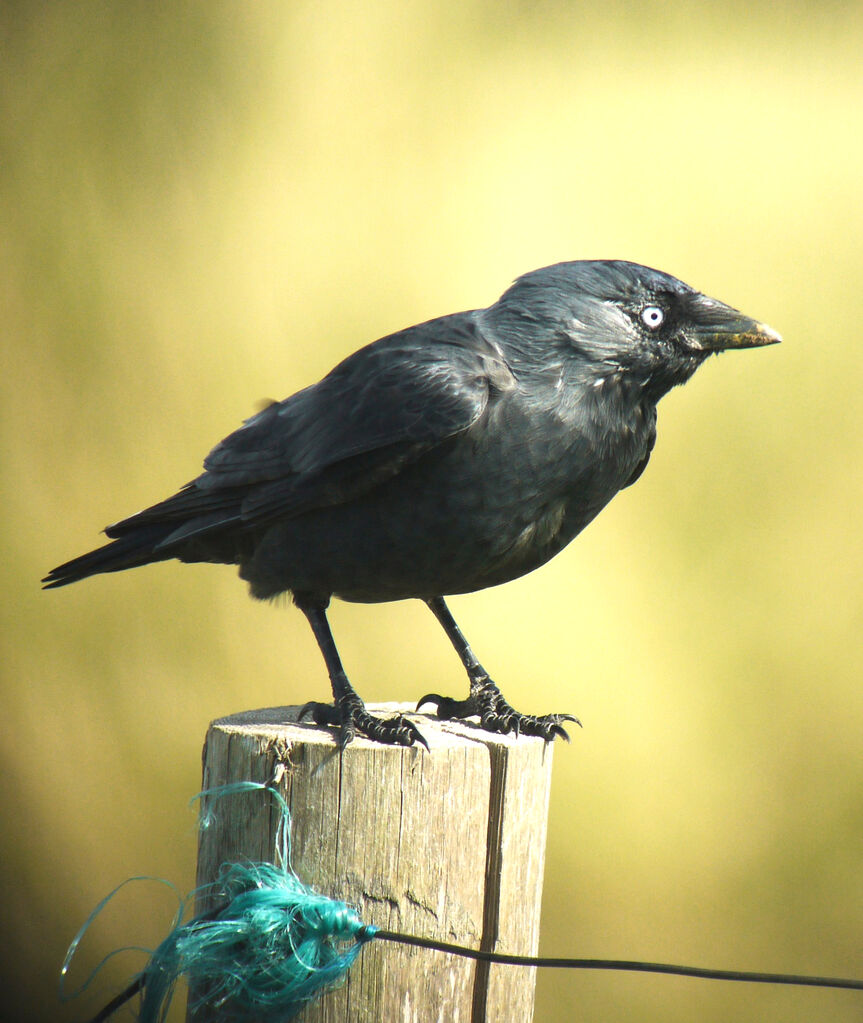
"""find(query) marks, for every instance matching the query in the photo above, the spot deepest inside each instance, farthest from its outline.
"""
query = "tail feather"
(138, 548)
(185, 526)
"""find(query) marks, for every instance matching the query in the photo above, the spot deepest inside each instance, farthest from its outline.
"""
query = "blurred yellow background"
(205, 205)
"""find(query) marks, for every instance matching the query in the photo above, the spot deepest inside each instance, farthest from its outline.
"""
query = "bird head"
(620, 319)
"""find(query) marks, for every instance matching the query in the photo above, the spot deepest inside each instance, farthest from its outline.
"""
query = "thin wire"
(505, 959)
(618, 964)
(119, 1000)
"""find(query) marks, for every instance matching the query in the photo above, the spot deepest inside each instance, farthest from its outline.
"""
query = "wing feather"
(376, 412)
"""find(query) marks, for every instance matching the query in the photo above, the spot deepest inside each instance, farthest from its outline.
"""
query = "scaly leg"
(348, 712)
(484, 698)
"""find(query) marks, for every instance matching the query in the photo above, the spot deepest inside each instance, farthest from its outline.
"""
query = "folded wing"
(375, 413)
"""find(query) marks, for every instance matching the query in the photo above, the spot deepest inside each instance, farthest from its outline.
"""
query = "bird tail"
(137, 548)
(185, 526)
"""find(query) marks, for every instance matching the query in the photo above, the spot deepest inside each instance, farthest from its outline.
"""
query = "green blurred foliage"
(204, 205)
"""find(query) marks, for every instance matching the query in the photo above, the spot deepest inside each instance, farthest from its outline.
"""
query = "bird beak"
(718, 327)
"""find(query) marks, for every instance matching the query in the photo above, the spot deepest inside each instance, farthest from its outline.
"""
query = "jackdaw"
(451, 456)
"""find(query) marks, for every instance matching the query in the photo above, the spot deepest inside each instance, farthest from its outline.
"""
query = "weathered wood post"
(447, 844)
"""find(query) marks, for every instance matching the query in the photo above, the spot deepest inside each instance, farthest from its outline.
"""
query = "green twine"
(272, 946)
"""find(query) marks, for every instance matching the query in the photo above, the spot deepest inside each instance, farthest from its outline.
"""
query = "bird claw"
(447, 708)
(496, 715)
(350, 718)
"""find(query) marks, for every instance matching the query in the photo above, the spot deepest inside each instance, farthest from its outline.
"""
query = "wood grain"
(447, 844)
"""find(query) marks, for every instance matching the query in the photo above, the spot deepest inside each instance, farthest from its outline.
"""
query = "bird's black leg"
(348, 712)
(484, 698)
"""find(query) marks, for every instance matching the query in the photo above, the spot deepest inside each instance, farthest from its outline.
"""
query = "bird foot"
(496, 715)
(350, 718)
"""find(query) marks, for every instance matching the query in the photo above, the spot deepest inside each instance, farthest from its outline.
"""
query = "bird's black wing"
(376, 412)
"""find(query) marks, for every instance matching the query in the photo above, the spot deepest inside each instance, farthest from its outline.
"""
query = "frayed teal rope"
(272, 946)
(76, 941)
(275, 946)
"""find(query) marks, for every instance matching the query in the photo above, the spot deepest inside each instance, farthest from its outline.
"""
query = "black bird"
(451, 456)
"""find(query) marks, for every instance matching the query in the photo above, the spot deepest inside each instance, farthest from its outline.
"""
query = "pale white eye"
(652, 316)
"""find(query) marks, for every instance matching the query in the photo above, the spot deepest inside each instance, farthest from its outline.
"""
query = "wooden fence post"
(447, 844)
